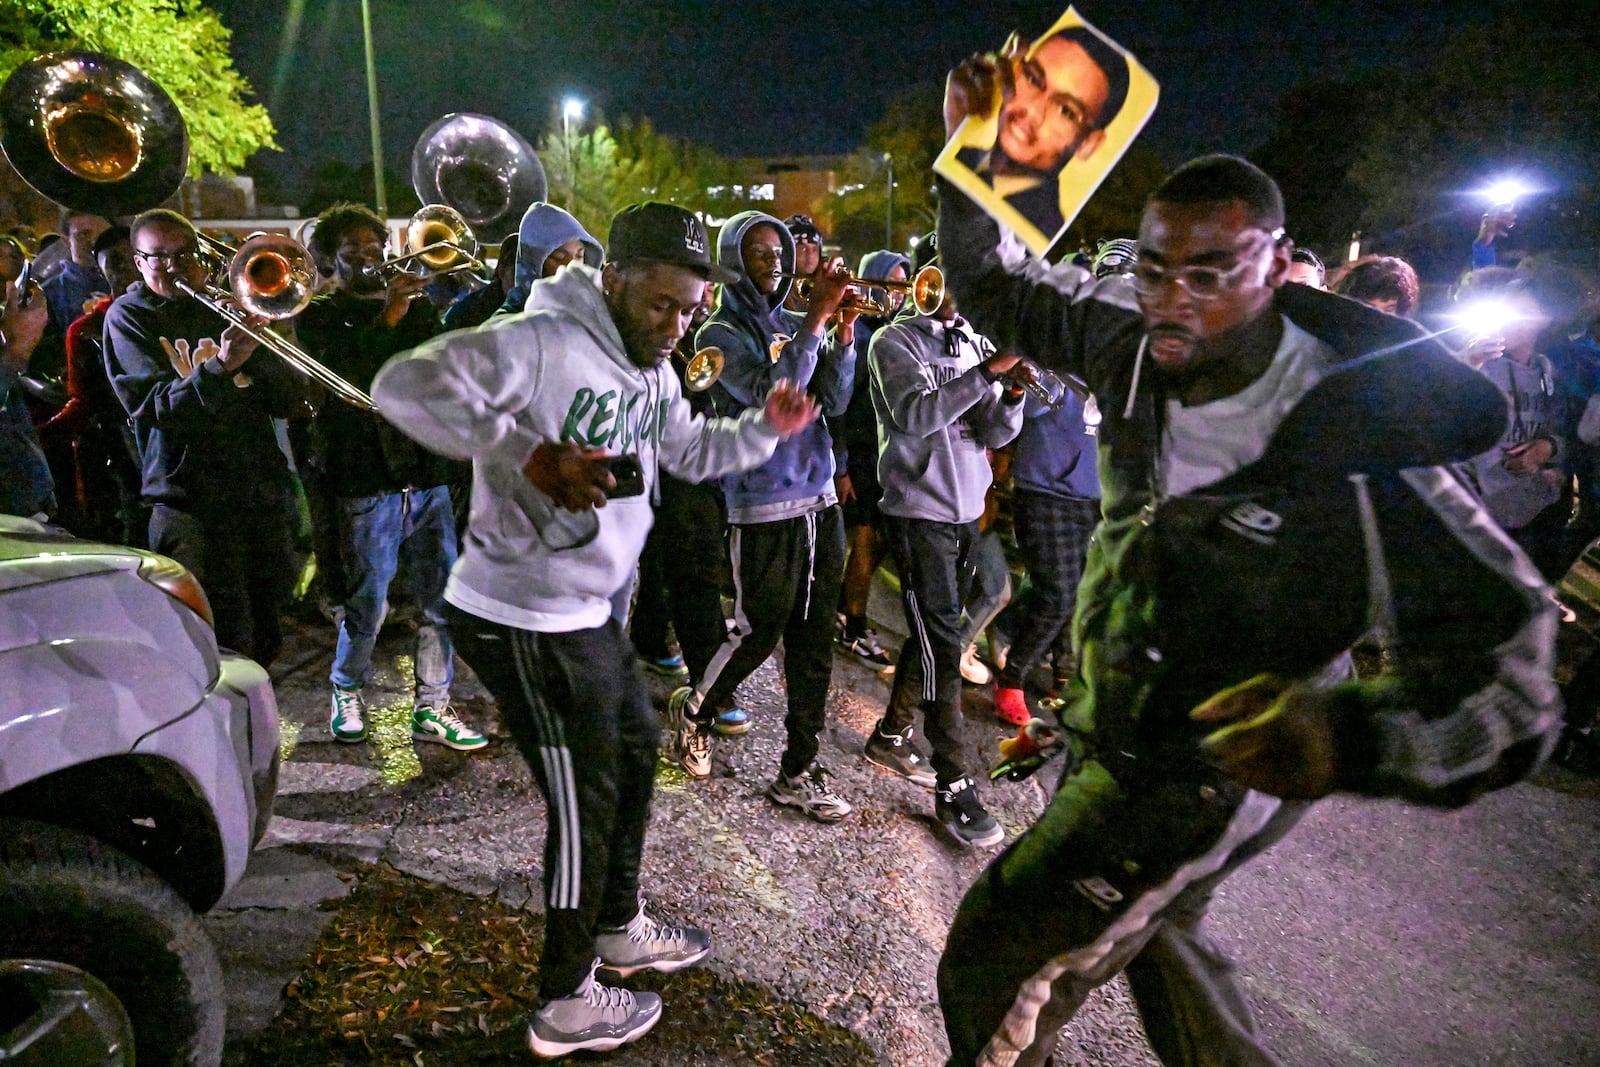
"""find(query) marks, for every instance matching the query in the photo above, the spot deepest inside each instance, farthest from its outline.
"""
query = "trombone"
(270, 277)
(926, 289)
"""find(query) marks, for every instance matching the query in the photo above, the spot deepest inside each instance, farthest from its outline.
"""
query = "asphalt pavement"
(1376, 934)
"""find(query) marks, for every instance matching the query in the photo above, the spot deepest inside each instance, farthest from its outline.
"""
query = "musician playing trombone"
(202, 407)
(391, 497)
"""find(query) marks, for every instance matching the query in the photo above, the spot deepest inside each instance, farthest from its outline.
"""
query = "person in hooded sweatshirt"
(786, 535)
(942, 401)
(569, 413)
(202, 404)
(855, 457)
(547, 240)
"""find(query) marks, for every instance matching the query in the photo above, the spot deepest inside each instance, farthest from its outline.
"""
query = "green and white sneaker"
(429, 723)
(346, 722)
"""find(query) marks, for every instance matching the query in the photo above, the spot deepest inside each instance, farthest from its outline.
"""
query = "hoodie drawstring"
(811, 559)
(1138, 364)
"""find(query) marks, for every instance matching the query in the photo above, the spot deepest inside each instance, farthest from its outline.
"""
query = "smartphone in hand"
(629, 475)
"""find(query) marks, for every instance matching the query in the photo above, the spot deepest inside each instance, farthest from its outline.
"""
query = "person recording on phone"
(545, 403)
(390, 497)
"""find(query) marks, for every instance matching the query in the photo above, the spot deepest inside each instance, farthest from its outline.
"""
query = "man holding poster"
(1275, 476)
(1068, 108)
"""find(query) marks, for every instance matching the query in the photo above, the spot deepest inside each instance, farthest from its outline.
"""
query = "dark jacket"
(360, 452)
(758, 349)
(1348, 520)
(206, 439)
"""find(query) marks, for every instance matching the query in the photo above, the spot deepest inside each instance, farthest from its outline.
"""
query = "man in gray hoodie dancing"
(568, 412)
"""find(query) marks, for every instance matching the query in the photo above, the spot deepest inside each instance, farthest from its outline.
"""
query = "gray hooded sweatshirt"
(557, 372)
(937, 417)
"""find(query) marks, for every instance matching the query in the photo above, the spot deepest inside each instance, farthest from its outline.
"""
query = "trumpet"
(438, 241)
(270, 276)
(926, 290)
(701, 370)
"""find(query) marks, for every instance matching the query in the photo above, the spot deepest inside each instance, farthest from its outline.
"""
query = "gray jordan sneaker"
(596, 1017)
(647, 945)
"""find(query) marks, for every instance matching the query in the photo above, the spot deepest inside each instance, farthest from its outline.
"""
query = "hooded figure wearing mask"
(547, 240)
(786, 534)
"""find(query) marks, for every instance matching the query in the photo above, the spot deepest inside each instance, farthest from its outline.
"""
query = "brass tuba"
(481, 168)
(93, 133)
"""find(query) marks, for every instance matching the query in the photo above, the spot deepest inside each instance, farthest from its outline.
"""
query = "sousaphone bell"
(93, 133)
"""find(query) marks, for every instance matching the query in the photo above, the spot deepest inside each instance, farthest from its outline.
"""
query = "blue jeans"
(374, 533)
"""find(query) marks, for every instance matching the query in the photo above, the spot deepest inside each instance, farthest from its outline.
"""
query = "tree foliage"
(911, 133)
(179, 43)
(601, 170)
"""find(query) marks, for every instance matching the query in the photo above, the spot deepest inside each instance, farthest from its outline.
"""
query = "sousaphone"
(481, 167)
(93, 133)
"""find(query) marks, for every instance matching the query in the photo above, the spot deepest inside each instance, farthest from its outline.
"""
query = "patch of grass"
(413, 973)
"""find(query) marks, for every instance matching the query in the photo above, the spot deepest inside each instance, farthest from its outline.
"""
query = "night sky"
(755, 79)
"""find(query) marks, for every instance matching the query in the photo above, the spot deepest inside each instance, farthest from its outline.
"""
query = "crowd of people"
(669, 438)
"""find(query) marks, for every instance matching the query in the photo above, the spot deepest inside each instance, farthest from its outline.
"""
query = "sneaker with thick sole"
(894, 752)
(346, 720)
(731, 722)
(667, 666)
(864, 645)
(973, 670)
(596, 1017)
(961, 812)
(809, 792)
(689, 745)
(647, 945)
(429, 723)
(1011, 705)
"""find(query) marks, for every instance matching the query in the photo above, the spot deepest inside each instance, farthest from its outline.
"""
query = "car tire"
(70, 898)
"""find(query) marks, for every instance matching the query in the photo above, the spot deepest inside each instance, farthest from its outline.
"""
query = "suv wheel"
(68, 898)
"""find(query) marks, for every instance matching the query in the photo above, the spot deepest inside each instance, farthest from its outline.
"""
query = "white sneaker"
(973, 670)
(809, 792)
(595, 1017)
(345, 721)
(647, 945)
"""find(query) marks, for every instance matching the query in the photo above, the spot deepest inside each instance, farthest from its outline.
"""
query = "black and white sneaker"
(595, 1017)
(864, 645)
(957, 806)
(809, 792)
(895, 752)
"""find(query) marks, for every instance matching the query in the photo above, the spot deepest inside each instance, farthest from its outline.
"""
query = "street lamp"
(571, 110)
(888, 214)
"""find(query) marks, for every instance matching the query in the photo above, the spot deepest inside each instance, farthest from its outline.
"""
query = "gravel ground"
(1376, 934)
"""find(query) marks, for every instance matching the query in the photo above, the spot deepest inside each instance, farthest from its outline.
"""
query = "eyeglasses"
(1202, 283)
(177, 258)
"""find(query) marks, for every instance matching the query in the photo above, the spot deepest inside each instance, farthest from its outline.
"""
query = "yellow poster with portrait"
(1066, 108)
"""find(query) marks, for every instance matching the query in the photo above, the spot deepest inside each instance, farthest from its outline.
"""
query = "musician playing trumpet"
(390, 498)
(217, 484)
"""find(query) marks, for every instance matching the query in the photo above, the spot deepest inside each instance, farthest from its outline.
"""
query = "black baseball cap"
(654, 232)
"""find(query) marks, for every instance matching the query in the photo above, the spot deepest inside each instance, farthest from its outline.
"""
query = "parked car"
(137, 768)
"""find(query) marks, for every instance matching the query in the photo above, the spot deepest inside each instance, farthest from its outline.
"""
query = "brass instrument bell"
(93, 133)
